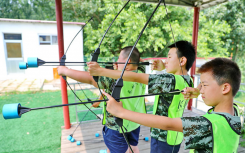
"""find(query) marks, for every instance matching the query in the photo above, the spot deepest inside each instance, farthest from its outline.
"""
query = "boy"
(218, 131)
(178, 63)
(113, 138)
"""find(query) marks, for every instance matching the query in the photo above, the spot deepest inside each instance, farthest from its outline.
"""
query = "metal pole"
(194, 42)
(58, 6)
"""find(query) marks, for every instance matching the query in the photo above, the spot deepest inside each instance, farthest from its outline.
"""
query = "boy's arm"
(155, 121)
(80, 76)
(95, 70)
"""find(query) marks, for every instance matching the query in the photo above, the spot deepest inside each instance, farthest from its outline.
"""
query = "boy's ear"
(226, 88)
(183, 60)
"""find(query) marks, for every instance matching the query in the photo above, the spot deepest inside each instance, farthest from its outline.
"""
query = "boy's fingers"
(121, 103)
(107, 95)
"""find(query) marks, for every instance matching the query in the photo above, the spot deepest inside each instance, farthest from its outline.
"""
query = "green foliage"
(232, 13)
(157, 35)
(126, 29)
(26, 9)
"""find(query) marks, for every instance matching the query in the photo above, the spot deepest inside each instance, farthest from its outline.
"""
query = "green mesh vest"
(225, 138)
(133, 104)
(175, 110)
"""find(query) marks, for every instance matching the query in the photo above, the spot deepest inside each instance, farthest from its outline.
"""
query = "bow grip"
(62, 63)
(94, 59)
(116, 95)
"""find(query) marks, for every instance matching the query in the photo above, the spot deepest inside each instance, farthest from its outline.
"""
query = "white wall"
(31, 48)
(3, 69)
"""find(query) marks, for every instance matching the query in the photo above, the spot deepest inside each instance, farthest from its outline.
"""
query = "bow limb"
(62, 63)
(95, 58)
(119, 84)
(96, 53)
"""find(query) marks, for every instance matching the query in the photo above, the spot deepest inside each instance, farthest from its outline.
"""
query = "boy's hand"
(62, 70)
(94, 68)
(95, 105)
(158, 65)
(114, 107)
(190, 93)
(115, 66)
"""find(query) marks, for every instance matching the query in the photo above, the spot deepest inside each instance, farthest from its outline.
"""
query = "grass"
(39, 130)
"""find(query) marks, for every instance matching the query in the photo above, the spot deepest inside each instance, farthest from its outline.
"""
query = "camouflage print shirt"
(162, 83)
(108, 84)
(197, 132)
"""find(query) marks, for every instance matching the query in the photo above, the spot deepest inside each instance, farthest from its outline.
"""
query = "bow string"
(119, 83)
(62, 63)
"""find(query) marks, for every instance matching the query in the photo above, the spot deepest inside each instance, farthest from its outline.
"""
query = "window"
(8, 36)
(48, 40)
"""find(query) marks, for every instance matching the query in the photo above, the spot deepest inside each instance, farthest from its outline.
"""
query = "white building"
(20, 39)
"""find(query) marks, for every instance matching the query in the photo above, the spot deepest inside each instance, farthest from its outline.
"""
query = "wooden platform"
(91, 144)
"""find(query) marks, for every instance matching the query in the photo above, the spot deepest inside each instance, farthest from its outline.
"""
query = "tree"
(232, 12)
(26, 9)
(125, 30)
(158, 35)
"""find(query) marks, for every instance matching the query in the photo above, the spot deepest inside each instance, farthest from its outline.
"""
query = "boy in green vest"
(219, 130)
(113, 137)
(178, 62)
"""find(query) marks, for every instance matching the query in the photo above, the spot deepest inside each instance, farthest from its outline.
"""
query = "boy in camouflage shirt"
(113, 139)
(216, 132)
(178, 62)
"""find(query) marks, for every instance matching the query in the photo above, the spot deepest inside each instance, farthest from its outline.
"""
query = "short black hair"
(186, 49)
(135, 56)
(224, 71)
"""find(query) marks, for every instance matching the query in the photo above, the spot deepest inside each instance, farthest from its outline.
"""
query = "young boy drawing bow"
(219, 130)
(178, 62)
(113, 138)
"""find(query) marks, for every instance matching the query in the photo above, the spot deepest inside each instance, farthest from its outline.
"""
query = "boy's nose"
(201, 91)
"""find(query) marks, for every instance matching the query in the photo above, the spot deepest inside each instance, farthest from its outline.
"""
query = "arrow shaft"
(172, 92)
(142, 63)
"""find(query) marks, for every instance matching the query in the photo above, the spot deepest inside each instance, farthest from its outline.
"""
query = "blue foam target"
(22, 65)
(72, 140)
(146, 139)
(97, 134)
(69, 137)
(10, 111)
(32, 61)
(79, 143)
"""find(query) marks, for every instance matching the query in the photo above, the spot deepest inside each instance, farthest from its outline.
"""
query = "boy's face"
(172, 62)
(210, 90)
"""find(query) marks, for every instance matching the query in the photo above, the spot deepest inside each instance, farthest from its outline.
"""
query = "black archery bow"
(119, 83)
(62, 63)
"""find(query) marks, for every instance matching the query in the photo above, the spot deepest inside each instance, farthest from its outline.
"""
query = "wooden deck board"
(91, 144)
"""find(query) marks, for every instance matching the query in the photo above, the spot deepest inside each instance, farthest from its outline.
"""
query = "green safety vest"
(175, 110)
(225, 138)
(133, 104)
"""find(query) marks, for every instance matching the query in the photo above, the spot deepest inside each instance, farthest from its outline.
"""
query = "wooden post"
(59, 19)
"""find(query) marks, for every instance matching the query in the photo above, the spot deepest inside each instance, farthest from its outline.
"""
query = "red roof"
(38, 21)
